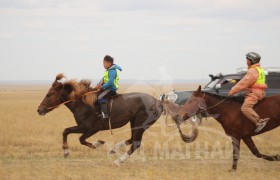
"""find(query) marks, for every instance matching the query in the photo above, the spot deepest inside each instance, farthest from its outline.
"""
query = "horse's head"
(193, 105)
(57, 94)
(63, 92)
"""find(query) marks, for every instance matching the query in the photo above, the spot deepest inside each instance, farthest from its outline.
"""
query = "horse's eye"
(48, 95)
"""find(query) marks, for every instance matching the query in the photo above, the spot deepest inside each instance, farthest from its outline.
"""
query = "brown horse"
(141, 110)
(227, 111)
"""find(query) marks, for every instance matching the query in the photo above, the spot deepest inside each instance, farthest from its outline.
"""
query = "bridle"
(57, 99)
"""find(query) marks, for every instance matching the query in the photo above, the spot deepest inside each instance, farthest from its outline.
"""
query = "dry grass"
(30, 146)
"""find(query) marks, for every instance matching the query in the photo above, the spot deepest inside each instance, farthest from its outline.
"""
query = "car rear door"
(273, 83)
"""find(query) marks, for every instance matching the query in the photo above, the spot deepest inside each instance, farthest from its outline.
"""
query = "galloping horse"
(227, 112)
(141, 110)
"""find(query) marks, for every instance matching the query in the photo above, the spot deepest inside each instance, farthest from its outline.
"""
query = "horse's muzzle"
(41, 111)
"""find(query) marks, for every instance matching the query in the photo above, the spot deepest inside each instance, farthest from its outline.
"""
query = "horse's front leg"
(236, 149)
(66, 132)
(91, 145)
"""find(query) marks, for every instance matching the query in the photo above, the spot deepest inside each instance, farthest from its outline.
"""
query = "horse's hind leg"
(138, 126)
(120, 144)
(251, 145)
(136, 143)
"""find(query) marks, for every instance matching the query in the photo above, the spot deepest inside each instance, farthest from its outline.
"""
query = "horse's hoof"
(112, 152)
(277, 157)
(66, 153)
(117, 163)
(96, 144)
(232, 170)
(101, 142)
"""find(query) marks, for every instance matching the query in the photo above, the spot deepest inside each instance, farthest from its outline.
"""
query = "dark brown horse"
(139, 109)
(227, 111)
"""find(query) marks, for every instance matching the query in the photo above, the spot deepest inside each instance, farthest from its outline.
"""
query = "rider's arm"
(100, 82)
(249, 79)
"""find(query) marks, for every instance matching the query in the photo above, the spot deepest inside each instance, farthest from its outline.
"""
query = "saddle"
(110, 107)
(110, 103)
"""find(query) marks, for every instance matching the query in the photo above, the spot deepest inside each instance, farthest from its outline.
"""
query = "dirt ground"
(30, 145)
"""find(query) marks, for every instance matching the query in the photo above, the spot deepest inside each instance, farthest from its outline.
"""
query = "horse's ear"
(198, 90)
(59, 76)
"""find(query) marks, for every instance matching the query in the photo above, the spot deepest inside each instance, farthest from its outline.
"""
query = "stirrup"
(261, 125)
(99, 115)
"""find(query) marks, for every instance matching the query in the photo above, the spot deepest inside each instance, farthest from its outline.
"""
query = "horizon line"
(121, 81)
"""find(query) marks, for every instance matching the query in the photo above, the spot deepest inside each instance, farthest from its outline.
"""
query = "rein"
(53, 107)
(202, 110)
(65, 102)
(218, 103)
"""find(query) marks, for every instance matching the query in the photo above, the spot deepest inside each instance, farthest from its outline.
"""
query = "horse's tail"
(170, 108)
(156, 108)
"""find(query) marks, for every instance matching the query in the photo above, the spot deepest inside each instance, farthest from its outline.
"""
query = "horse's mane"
(80, 88)
(239, 99)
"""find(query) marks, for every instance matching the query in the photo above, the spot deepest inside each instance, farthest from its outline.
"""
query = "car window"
(212, 84)
(273, 82)
(227, 84)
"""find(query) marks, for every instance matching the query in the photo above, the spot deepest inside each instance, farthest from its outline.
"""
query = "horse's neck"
(215, 107)
(211, 101)
(72, 106)
(80, 111)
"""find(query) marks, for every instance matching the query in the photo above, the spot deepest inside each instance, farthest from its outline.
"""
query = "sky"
(149, 39)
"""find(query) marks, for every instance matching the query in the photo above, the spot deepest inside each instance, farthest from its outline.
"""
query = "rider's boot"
(104, 111)
(261, 124)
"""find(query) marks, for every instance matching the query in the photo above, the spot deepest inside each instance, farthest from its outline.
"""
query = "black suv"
(221, 84)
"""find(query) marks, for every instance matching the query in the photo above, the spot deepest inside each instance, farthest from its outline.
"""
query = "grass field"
(30, 145)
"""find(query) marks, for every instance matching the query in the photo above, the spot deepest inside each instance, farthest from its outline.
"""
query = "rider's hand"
(237, 94)
(99, 86)
(233, 95)
(100, 83)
